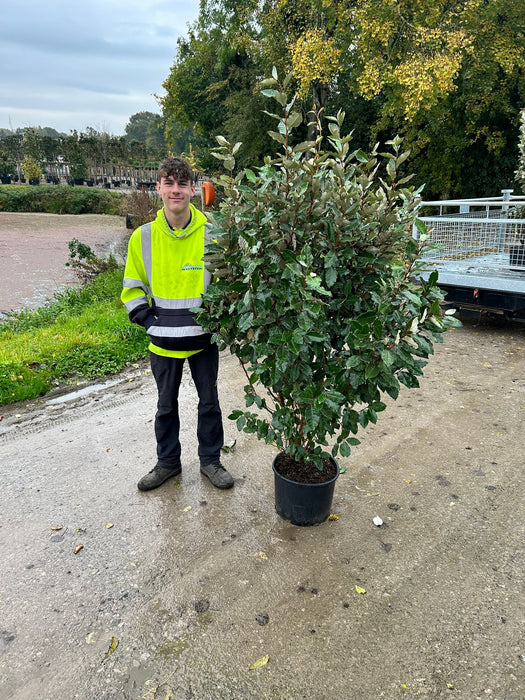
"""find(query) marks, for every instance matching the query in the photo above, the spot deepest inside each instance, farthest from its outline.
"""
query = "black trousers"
(204, 367)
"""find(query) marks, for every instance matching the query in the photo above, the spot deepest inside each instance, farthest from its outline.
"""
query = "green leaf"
(294, 119)
(267, 82)
(388, 357)
(315, 284)
(331, 276)
(276, 136)
(241, 422)
(344, 449)
(420, 226)
(304, 146)
(363, 418)
(371, 371)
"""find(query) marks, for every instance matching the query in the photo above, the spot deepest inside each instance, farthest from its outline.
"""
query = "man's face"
(176, 196)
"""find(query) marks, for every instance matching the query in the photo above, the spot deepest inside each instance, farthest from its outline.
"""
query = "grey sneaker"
(218, 475)
(156, 477)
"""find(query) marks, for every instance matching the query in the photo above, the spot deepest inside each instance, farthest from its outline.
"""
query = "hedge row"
(59, 199)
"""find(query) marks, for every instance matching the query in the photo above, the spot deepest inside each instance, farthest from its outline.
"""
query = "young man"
(164, 278)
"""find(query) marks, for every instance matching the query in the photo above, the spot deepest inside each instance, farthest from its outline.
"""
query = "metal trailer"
(480, 254)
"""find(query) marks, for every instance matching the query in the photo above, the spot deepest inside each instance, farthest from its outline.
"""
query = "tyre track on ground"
(22, 420)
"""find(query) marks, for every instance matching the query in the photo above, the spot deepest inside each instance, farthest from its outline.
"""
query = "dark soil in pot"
(304, 472)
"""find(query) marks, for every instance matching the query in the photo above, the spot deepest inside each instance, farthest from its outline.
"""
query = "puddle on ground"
(85, 391)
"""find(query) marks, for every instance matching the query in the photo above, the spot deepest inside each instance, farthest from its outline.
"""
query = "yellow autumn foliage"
(315, 57)
(418, 48)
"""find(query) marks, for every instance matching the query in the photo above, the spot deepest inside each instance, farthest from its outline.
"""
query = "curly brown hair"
(177, 168)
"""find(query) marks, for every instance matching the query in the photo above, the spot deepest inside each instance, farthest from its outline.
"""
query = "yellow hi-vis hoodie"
(164, 278)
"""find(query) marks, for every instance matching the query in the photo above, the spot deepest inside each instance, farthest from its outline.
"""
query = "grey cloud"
(64, 63)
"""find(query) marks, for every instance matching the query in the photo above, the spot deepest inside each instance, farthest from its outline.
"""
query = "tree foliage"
(80, 150)
(317, 288)
(31, 168)
(447, 75)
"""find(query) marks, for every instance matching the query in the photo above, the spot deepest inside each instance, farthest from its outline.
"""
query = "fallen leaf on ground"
(360, 590)
(185, 510)
(151, 688)
(262, 555)
(78, 548)
(260, 662)
(56, 528)
(109, 525)
(113, 644)
(332, 516)
(229, 446)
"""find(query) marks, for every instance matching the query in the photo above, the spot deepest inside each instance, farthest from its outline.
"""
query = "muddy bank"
(34, 253)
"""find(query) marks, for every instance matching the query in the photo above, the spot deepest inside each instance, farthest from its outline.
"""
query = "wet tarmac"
(34, 252)
(110, 593)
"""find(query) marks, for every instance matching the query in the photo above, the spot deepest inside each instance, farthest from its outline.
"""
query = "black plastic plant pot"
(303, 504)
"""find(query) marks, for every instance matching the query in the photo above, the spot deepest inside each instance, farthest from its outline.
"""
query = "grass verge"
(83, 333)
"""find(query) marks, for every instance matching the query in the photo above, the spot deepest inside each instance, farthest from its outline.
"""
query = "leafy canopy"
(317, 290)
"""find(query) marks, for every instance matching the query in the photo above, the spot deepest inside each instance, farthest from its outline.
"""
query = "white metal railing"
(488, 233)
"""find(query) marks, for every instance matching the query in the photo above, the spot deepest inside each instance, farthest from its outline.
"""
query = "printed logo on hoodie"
(191, 267)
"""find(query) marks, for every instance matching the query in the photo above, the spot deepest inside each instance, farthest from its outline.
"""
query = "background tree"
(149, 129)
(74, 154)
(210, 88)
(448, 75)
(7, 166)
(31, 168)
(32, 145)
(12, 148)
(137, 127)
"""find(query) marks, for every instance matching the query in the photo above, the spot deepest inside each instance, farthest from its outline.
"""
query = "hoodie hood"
(197, 220)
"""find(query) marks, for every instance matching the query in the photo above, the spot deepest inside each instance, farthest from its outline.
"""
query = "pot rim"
(306, 483)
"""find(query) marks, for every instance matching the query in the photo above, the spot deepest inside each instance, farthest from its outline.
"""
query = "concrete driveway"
(177, 592)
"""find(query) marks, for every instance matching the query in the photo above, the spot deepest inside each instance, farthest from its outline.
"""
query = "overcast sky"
(72, 64)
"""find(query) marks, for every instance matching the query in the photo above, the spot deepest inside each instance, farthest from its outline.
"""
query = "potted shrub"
(32, 170)
(317, 293)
